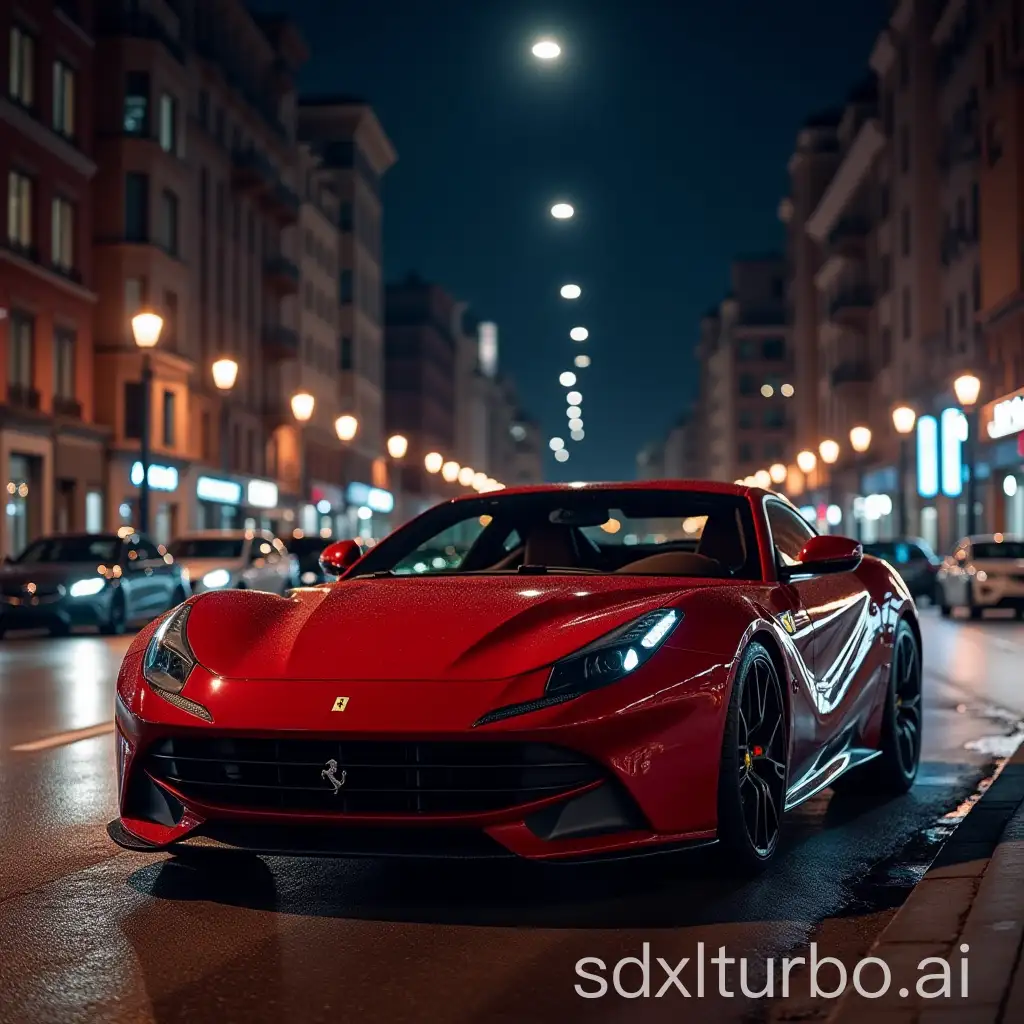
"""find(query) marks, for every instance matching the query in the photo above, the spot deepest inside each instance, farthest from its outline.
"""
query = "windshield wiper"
(380, 574)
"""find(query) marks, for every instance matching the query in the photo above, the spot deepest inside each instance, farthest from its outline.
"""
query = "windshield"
(995, 549)
(223, 548)
(634, 532)
(70, 549)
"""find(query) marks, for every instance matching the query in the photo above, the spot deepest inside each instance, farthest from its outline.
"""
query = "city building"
(674, 457)
(51, 450)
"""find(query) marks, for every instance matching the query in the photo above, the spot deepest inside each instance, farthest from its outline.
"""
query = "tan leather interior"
(722, 540)
(674, 563)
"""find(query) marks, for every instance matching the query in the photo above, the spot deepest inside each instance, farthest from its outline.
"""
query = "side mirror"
(337, 558)
(822, 556)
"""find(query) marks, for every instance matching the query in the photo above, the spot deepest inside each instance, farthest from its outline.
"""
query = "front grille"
(376, 777)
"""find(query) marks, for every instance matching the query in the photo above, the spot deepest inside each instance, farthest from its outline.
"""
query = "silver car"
(984, 571)
(235, 559)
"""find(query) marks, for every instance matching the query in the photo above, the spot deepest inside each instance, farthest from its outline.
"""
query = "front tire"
(753, 773)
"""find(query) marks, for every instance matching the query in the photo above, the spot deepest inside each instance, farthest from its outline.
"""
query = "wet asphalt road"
(90, 933)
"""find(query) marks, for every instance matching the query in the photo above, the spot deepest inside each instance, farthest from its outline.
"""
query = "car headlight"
(169, 659)
(613, 656)
(87, 588)
(216, 579)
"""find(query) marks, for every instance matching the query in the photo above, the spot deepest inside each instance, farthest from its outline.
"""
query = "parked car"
(914, 560)
(306, 551)
(97, 579)
(984, 571)
(235, 559)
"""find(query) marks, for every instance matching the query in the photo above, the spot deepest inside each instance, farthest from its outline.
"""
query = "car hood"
(417, 628)
(198, 567)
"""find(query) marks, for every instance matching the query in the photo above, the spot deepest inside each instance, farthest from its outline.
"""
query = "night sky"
(668, 125)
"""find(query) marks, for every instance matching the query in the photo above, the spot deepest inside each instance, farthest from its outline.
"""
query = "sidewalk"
(972, 895)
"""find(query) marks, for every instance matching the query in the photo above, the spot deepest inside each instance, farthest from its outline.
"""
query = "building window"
(136, 207)
(168, 419)
(907, 325)
(169, 221)
(885, 273)
(345, 217)
(888, 113)
(990, 67)
(904, 66)
(136, 103)
(64, 364)
(204, 196)
(746, 452)
(169, 334)
(745, 420)
(62, 234)
(747, 384)
(994, 141)
(976, 288)
(905, 148)
(63, 99)
(21, 361)
(134, 296)
(345, 287)
(19, 210)
(886, 346)
(905, 231)
(975, 211)
(204, 109)
(21, 83)
(345, 361)
(961, 312)
(949, 326)
(883, 201)
(205, 442)
(132, 409)
(773, 349)
(774, 418)
(168, 124)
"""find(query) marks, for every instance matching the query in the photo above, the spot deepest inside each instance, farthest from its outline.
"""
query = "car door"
(164, 575)
(845, 621)
(138, 574)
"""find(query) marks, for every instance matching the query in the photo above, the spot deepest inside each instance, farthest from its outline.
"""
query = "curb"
(973, 894)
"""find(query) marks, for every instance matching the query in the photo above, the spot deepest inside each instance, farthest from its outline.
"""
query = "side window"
(512, 541)
(789, 532)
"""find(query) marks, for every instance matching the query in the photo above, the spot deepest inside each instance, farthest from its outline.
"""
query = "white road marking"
(63, 738)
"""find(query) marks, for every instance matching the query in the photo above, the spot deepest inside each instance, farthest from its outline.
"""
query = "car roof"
(223, 534)
(696, 486)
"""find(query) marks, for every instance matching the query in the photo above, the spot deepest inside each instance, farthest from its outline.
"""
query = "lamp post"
(302, 404)
(146, 328)
(903, 420)
(967, 387)
(398, 447)
(225, 373)
(860, 442)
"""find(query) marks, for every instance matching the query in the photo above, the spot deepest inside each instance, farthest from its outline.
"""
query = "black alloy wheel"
(753, 773)
(905, 711)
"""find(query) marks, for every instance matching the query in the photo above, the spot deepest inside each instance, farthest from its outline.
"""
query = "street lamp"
(763, 478)
(146, 328)
(579, 334)
(570, 291)
(903, 419)
(398, 445)
(302, 404)
(433, 462)
(346, 427)
(546, 49)
(225, 373)
(450, 472)
(860, 439)
(567, 378)
(582, 361)
(806, 461)
(562, 211)
(967, 388)
(466, 475)
(778, 473)
(829, 451)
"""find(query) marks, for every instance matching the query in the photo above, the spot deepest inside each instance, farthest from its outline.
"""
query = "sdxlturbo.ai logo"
(633, 977)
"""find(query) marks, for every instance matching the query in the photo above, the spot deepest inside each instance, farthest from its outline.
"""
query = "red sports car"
(553, 672)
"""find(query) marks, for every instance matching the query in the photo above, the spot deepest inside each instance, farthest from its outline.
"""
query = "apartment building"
(51, 449)
(355, 155)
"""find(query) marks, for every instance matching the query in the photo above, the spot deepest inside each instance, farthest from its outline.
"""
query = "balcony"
(280, 342)
(849, 237)
(251, 172)
(22, 397)
(281, 274)
(851, 305)
(140, 25)
(70, 408)
(955, 242)
(283, 203)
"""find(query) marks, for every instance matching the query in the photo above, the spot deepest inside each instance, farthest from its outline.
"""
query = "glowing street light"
(576, 423)
(582, 362)
(466, 476)
(579, 334)
(546, 49)
(903, 419)
(398, 445)
(570, 291)
(573, 411)
(479, 481)
(967, 388)
(787, 390)
(763, 478)
(346, 427)
(146, 328)
(561, 455)
(225, 373)
(829, 451)
(567, 379)
(778, 473)
(574, 398)
(433, 462)
(556, 444)
(806, 461)
(303, 404)
(577, 435)
(860, 439)
(450, 472)
(767, 390)
(562, 211)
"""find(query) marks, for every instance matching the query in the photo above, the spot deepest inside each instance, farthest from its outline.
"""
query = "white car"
(984, 571)
(235, 559)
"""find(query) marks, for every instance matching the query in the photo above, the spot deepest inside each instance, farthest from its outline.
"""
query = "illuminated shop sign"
(374, 498)
(262, 494)
(161, 478)
(1005, 416)
(211, 488)
(952, 434)
(927, 456)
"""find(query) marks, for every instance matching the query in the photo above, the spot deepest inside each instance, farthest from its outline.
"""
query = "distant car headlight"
(308, 578)
(614, 656)
(87, 588)
(169, 659)
(216, 579)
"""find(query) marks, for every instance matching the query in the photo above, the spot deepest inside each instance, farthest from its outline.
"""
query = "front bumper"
(997, 593)
(655, 750)
(48, 611)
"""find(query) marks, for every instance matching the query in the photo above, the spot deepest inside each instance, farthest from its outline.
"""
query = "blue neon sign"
(927, 456)
(951, 442)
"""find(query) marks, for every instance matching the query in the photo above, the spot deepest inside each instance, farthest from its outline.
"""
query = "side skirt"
(822, 777)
